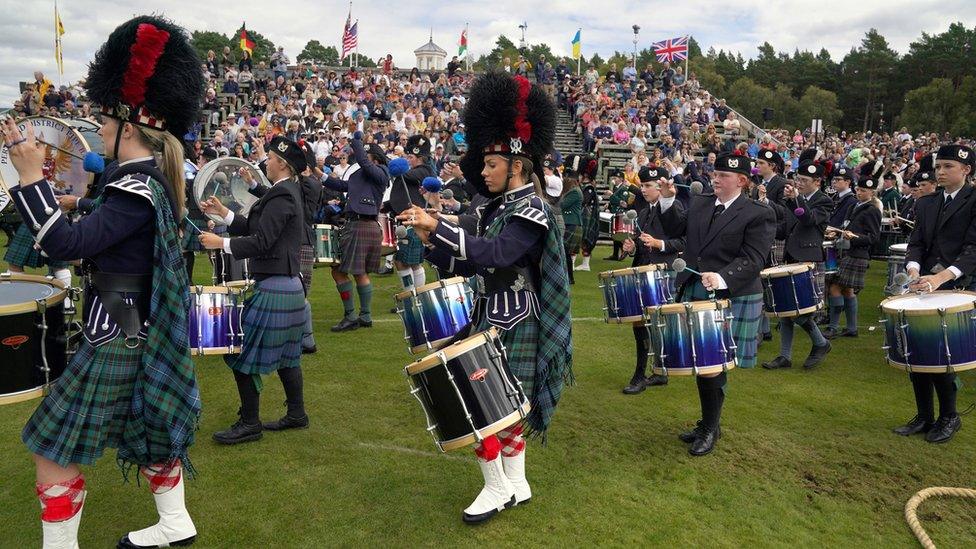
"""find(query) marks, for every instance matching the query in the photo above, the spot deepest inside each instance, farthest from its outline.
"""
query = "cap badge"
(733, 162)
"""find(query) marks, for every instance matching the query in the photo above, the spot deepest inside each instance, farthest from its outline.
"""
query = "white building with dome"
(430, 56)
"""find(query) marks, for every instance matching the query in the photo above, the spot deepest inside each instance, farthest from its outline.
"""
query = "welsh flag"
(463, 44)
(246, 43)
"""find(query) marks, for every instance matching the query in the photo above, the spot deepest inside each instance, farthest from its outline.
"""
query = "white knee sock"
(64, 276)
(406, 278)
(419, 275)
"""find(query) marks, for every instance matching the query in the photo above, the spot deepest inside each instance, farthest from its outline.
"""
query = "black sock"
(711, 392)
(945, 388)
(922, 385)
(291, 380)
(569, 267)
(643, 342)
(250, 398)
(188, 258)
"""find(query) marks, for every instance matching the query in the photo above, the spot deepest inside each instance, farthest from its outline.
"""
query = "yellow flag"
(58, 32)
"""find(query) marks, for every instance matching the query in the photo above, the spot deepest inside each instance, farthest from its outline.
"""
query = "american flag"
(350, 36)
(673, 49)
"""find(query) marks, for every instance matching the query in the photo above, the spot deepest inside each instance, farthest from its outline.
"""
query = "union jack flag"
(671, 50)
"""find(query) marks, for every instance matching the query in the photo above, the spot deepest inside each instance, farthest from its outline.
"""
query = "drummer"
(273, 318)
(942, 256)
(131, 384)
(362, 236)
(844, 199)
(404, 193)
(728, 243)
(804, 212)
(655, 243)
(921, 183)
(519, 259)
(860, 229)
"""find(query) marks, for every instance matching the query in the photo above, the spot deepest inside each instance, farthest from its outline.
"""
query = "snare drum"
(790, 290)
(389, 245)
(467, 392)
(215, 320)
(694, 337)
(621, 227)
(930, 333)
(433, 313)
(830, 258)
(628, 292)
(32, 335)
(896, 263)
(327, 249)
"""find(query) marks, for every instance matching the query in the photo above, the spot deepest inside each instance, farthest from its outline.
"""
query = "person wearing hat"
(804, 213)
(889, 192)
(842, 180)
(518, 258)
(859, 230)
(404, 193)
(727, 239)
(942, 256)
(652, 242)
(553, 186)
(571, 206)
(361, 235)
(270, 237)
(921, 183)
(131, 384)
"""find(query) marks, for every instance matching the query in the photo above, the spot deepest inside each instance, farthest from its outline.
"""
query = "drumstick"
(65, 151)
(194, 225)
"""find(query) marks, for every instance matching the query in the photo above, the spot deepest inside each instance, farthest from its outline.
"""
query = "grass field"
(807, 459)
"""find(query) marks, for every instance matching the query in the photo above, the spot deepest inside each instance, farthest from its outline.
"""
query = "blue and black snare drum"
(790, 290)
(831, 264)
(215, 314)
(694, 337)
(628, 292)
(930, 333)
(433, 313)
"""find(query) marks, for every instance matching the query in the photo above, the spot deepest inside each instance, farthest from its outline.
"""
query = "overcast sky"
(27, 36)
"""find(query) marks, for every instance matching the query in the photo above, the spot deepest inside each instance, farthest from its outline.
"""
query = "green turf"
(807, 458)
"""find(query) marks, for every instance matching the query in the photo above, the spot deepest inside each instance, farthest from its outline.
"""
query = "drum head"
(220, 178)
(785, 270)
(451, 351)
(65, 172)
(20, 293)
(89, 131)
(930, 303)
(899, 248)
(4, 199)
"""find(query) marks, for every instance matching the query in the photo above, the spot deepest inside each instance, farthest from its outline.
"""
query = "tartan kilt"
(306, 259)
(190, 242)
(411, 252)
(851, 272)
(22, 253)
(572, 238)
(89, 405)
(273, 323)
(779, 249)
(746, 317)
(361, 242)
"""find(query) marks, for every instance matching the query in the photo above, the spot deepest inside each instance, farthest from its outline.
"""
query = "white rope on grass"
(911, 508)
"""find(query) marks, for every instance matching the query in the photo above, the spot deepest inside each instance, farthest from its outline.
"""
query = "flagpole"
(57, 43)
(467, 49)
(687, 56)
(579, 59)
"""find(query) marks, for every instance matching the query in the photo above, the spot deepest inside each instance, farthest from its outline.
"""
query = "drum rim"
(71, 129)
(650, 267)
(451, 351)
(208, 351)
(323, 226)
(29, 306)
(930, 369)
(696, 306)
(887, 309)
(197, 289)
(891, 247)
(829, 243)
(689, 371)
(794, 312)
(23, 396)
(488, 430)
(628, 319)
(443, 283)
(788, 269)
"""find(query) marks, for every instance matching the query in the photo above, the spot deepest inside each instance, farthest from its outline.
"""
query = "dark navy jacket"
(365, 187)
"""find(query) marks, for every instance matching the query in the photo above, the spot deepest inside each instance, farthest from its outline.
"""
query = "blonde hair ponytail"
(169, 158)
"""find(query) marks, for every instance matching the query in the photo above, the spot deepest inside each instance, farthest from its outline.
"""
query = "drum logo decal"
(214, 311)
(14, 341)
(479, 375)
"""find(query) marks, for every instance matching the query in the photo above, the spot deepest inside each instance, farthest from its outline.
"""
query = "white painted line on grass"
(578, 319)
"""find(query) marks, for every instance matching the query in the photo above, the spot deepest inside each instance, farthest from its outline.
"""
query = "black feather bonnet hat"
(506, 115)
(147, 73)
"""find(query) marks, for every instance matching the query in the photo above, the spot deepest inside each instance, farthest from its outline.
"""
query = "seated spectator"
(621, 136)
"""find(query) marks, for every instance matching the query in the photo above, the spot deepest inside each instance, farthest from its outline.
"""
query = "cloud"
(26, 41)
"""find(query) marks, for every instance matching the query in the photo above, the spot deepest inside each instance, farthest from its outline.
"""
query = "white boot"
(175, 527)
(64, 534)
(497, 495)
(584, 265)
(515, 471)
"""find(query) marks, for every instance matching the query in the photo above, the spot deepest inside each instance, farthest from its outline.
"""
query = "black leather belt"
(113, 289)
(354, 215)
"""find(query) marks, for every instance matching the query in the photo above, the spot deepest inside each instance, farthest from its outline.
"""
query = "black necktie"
(948, 201)
(718, 211)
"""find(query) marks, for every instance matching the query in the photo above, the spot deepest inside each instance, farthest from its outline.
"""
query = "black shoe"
(478, 519)
(345, 325)
(637, 386)
(692, 435)
(777, 363)
(848, 333)
(310, 350)
(831, 333)
(124, 543)
(913, 427)
(944, 429)
(767, 336)
(395, 311)
(656, 380)
(287, 422)
(704, 444)
(816, 356)
(238, 433)
(365, 323)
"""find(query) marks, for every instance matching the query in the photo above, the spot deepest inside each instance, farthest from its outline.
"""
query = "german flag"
(246, 43)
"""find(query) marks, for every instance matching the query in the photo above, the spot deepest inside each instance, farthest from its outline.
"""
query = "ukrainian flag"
(576, 45)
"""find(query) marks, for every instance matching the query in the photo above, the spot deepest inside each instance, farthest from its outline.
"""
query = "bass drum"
(65, 170)
(89, 130)
(220, 178)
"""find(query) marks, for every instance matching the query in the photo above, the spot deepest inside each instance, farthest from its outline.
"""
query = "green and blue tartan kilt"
(191, 241)
(89, 405)
(273, 322)
(746, 318)
(572, 238)
(306, 262)
(361, 242)
(411, 253)
(22, 253)
(851, 272)
(521, 349)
